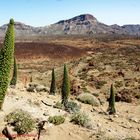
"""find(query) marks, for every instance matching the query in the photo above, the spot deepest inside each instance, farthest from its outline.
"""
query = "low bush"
(81, 118)
(59, 105)
(21, 120)
(88, 99)
(56, 120)
(72, 107)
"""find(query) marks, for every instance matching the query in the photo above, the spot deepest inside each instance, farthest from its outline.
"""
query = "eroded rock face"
(79, 18)
(82, 24)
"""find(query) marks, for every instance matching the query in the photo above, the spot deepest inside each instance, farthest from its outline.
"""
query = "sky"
(46, 12)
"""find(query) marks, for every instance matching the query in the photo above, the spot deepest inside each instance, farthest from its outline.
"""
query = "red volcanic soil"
(35, 50)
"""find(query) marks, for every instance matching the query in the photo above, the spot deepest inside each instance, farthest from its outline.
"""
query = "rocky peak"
(84, 17)
(80, 18)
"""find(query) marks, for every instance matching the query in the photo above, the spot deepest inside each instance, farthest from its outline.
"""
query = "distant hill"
(85, 24)
(21, 30)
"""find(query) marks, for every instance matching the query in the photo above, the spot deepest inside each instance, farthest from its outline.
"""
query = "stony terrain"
(93, 65)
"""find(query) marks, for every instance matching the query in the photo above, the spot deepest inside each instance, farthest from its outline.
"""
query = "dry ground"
(93, 65)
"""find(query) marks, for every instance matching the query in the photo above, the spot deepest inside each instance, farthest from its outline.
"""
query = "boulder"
(34, 87)
(31, 89)
(40, 88)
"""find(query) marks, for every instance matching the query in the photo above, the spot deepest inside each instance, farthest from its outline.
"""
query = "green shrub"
(59, 105)
(53, 84)
(72, 107)
(6, 56)
(21, 120)
(81, 118)
(14, 78)
(56, 120)
(65, 91)
(88, 99)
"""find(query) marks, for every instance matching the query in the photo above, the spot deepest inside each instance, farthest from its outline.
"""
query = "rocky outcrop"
(80, 25)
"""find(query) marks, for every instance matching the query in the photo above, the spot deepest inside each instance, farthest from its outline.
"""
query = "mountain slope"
(22, 29)
(85, 24)
(132, 29)
(82, 24)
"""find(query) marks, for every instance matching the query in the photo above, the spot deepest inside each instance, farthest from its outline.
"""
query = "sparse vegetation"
(21, 120)
(84, 89)
(56, 120)
(6, 56)
(88, 99)
(59, 105)
(126, 95)
(90, 74)
(72, 107)
(95, 94)
(81, 118)
(118, 84)
(99, 84)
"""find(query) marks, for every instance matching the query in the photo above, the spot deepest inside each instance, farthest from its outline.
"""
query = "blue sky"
(45, 12)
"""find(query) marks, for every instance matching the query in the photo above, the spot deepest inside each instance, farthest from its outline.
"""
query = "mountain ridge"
(84, 24)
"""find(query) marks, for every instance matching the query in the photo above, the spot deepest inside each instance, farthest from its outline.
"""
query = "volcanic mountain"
(85, 24)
